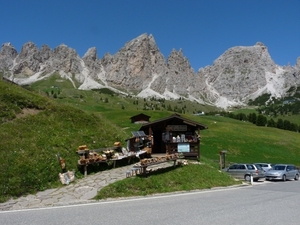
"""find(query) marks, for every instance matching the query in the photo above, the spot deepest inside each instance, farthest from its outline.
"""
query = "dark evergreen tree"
(286, 125)
(261, 120)
(242, 116)
(231, 115)
(252, 118)
(294, 127)
(271, 123)
(280, 123)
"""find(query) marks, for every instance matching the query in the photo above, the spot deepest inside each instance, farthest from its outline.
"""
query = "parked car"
(264, 166)
(282, 172)
(244, 171)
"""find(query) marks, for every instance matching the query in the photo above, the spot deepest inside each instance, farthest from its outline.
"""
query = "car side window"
(241, 167)
(289, 168)
(233, 167)
(250, 167)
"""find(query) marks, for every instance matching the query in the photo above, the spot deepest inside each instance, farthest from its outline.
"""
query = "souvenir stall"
(175, 134)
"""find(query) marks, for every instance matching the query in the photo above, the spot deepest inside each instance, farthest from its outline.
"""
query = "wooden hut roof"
(178, 117)
(141, 114)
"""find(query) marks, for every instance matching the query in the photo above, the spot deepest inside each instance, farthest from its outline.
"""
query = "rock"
(7, 55)
(239, 74)
(136, 65)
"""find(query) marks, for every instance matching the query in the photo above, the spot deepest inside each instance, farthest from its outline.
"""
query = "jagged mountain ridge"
(139, 68)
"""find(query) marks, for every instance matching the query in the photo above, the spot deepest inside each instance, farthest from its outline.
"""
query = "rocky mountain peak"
(90, 58)
(91, 54)
(239, 74)
(137, 41)
(181, 75)
(45, 53)
(259, 43)
(26, 63)
(66, 59)
(7, 55)
(298, 63)
(177, 59)
(106, 60)
(136, 64)
(63, 51)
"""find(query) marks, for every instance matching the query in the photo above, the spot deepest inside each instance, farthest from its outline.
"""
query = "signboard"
(177, 127)
(183, 147)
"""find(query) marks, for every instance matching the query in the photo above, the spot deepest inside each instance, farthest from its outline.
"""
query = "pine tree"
(261, 120)
(280, 123)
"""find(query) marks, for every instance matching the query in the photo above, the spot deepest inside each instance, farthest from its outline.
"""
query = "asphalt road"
(263, 203)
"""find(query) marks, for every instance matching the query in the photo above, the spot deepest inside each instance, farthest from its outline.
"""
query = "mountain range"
(241, 73)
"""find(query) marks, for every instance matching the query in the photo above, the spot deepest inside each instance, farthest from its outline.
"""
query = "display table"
(129, 157)
(138, 154)
(88, 161)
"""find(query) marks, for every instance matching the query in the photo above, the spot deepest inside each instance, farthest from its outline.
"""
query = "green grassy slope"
(181, 178)
(243, 141)
(70, 118)
(29, 144)
(290, 117)
(246, 142)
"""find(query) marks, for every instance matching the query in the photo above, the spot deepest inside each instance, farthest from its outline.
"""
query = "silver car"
(244, 171)
(264, 166)
(282, 172)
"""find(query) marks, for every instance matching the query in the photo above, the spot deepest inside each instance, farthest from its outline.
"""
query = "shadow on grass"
(158, 171)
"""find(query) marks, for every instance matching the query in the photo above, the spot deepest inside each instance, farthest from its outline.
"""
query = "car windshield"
(279, 167)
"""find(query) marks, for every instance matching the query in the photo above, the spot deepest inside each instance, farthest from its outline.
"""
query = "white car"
(264, 166)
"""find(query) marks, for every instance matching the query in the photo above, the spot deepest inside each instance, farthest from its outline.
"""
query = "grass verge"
(169, 179)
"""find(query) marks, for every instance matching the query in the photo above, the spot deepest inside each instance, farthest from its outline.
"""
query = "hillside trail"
(78, 192)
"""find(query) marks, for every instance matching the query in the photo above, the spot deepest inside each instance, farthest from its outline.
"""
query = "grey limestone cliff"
(7, 55)
(139, 68)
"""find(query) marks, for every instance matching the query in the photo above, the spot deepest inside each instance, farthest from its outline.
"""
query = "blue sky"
(202, 29)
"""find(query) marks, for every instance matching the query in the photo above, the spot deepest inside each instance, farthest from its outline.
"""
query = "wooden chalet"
(175, 134)
(140, 118)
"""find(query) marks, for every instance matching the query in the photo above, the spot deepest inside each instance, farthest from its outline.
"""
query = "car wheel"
(247, 177)
(283, 178)
(297, 177)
